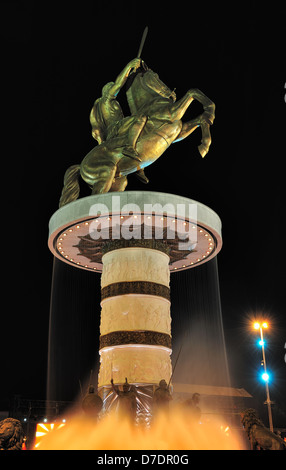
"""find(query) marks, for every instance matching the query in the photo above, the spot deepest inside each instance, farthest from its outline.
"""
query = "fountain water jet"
(172, 431)
(197, 323)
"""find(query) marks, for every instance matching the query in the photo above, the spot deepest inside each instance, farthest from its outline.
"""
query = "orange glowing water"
(173, 431)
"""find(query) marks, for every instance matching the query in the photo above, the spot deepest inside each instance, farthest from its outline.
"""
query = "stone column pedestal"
(166, 233)
(135, 328)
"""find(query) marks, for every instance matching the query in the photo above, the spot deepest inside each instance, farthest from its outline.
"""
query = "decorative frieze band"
(135, 287)
(117, 338)
(141, 243)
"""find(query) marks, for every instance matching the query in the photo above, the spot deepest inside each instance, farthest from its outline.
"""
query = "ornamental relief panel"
(139, 365)
(135, 264)
(131, 312)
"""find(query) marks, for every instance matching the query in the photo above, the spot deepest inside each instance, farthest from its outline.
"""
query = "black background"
(55, 60)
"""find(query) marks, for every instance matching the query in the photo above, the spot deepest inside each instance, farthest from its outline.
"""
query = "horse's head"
(152, 82)
(146, 86)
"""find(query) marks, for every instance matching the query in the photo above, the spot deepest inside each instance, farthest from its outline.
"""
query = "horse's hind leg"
(103, 178)
(119, 184)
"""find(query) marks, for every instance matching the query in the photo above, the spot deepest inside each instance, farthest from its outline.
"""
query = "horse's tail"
(71, 188)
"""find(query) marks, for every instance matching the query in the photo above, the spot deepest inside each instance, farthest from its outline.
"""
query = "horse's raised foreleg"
(179, 108)
(191, 126)
(188, 128)
(206, 139)
(204, 120)
(208, 105)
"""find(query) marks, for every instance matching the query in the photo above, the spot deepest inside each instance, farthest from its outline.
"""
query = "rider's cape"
(99, 130)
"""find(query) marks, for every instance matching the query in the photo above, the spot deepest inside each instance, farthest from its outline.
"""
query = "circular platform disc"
(81, 231)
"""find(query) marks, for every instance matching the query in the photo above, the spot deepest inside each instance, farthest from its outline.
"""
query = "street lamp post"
(268, 401)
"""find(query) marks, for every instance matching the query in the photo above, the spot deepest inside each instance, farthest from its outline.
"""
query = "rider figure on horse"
(107, 119)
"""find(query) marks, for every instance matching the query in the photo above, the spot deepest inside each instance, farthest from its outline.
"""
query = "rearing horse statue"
(129, 144)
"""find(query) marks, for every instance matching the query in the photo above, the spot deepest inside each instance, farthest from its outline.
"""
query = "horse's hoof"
(203, 150)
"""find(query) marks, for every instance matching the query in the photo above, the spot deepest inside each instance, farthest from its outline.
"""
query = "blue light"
(261, 342)
(265, 377)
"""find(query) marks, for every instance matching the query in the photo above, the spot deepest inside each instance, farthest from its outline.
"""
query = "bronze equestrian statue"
(129, 144)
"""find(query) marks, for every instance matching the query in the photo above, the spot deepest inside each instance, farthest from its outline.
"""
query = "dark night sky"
(55, 60)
